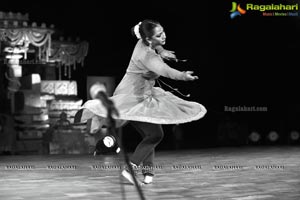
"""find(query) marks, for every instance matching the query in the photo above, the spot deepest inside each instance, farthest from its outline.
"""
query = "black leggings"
(152, 135)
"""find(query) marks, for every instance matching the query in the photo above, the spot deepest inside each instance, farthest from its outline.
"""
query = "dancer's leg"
(153, 134)
(148, 161)
(144, 153)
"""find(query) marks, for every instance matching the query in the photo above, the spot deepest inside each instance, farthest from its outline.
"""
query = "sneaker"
(148, 173)
(127, 175)
(148, 179)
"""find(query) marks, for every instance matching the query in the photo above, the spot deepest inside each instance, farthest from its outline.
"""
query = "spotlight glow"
(254, 136)
(294, 135)
(273, 136)
(108, 141)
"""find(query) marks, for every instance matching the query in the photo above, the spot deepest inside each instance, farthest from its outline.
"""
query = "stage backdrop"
(108, 81)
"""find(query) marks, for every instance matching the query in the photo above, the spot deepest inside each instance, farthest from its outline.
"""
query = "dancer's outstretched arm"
(155, 64)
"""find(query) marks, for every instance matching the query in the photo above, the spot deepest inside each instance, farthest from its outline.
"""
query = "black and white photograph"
(150, 100)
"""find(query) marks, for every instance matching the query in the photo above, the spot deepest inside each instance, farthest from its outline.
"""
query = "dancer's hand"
(168, 55)
(189, 76)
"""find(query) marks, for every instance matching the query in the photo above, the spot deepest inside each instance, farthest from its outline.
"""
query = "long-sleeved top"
(137, 99)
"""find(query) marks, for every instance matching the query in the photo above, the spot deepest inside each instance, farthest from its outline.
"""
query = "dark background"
(247, 61)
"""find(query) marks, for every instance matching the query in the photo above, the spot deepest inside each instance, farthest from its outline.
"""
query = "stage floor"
(242, 173)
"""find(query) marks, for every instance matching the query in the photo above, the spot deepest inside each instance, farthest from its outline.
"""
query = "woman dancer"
(142, 104)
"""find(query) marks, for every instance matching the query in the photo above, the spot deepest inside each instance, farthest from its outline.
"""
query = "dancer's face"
(159, 37)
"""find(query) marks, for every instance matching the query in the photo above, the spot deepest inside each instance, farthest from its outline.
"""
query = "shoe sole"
(129, 177)
(144, 183)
